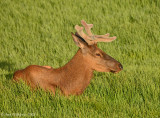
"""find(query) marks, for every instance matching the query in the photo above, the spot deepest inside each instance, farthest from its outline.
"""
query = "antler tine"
(102, 36)
(83, 35)
(96, 38)
(80, 31)
(87, 27)
(102, 39)
(90, 38)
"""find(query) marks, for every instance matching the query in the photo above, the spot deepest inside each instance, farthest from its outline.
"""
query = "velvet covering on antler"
(90, 38)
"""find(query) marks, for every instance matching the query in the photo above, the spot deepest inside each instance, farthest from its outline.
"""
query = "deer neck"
(75, 75)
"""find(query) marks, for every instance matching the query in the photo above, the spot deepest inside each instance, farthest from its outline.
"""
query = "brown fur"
(75, 76)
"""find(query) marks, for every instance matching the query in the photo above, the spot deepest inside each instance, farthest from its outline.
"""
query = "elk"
(75, 76)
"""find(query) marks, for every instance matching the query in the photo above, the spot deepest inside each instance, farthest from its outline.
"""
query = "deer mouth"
(113, 71)
(120, 67)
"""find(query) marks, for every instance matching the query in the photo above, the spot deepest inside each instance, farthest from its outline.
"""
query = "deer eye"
(98, 54)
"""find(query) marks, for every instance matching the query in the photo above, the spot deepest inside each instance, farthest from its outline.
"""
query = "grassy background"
(38, 32)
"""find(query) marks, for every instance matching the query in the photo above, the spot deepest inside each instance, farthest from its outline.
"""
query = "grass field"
(39, 32)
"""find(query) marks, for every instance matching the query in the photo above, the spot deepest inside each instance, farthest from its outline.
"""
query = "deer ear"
(78, 41)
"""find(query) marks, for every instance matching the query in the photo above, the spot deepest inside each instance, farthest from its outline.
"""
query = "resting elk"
(75, 76)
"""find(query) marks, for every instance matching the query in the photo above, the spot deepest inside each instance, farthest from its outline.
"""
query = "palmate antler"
(90, 38)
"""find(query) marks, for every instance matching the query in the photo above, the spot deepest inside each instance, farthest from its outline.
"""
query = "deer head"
(95, 57)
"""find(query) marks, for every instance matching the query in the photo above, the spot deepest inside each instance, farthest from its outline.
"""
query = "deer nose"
(120, 66)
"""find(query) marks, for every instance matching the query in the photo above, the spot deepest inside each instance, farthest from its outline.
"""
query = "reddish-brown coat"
(75, 76)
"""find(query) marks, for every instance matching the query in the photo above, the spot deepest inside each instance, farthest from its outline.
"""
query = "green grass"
(39, 32)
